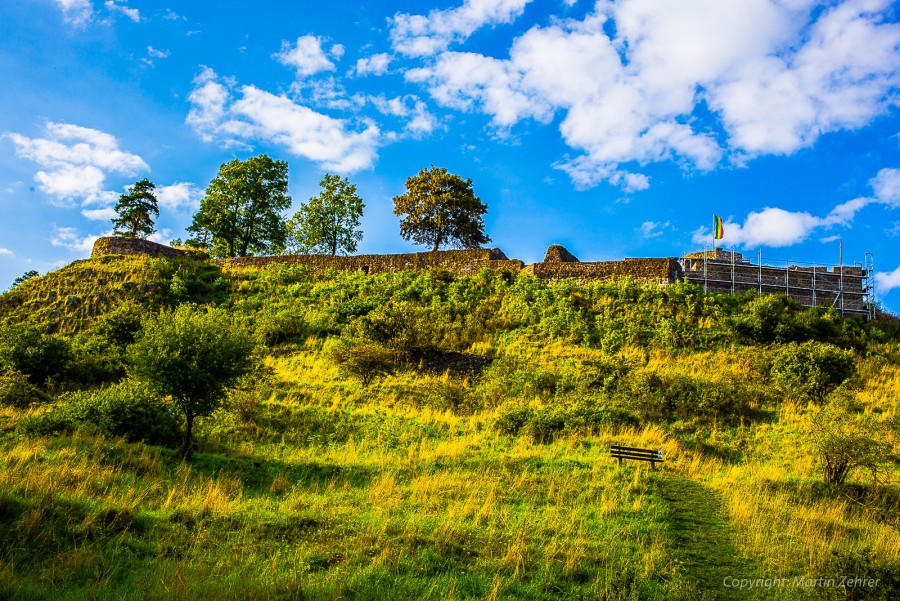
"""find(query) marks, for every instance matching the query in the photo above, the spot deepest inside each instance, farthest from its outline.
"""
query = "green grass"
(310, 485)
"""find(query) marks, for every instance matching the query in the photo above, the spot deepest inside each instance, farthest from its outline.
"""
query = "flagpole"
(714, 235)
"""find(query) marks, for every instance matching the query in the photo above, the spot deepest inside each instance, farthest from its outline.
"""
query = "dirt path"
(704, 538)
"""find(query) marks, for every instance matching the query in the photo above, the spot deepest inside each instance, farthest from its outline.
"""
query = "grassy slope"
(316, 487)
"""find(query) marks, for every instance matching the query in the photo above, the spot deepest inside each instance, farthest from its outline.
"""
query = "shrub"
(811, 370)
(365, 360)
(37, 355)
(662, 397)
(128, 409)
(845, 441)
(17, 391)
(276, 327)
(193, 356)
(120, 326)
(543, 424)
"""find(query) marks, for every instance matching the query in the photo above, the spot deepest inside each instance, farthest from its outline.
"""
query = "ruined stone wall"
(463, 262)
(661, 271)
(137, 246)
(811, 286)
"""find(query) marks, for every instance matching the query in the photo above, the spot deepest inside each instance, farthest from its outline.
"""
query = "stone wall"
(463, 262)
(811, 286)
(661, 271)
(138, 246)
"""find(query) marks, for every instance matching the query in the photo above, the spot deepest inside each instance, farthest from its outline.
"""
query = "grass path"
(704, 539)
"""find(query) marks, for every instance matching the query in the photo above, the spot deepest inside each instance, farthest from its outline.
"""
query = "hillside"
(429, 435)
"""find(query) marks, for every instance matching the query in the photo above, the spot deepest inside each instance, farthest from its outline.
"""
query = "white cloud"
(154, 53)
(644, 94)
(76, 12)
(307, 57)
(654, 229)
(419, 121)
(251, 114)
(887, 186)
(104, 214)
(377, 64)
(76, 162)
(887, 280)
(70, 238)
(171, 15)
(6, 252)
(777, 227)
(770, 227)
(179, 195)
(894, 230)
(132, 13)
(420, 35)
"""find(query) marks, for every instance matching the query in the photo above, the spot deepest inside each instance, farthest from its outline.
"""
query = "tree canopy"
(328, 222)
(136, 211)
(192, 355)
(241, 213)
(441, 208)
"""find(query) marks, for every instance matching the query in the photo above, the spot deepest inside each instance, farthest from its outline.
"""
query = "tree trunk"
(185, 450)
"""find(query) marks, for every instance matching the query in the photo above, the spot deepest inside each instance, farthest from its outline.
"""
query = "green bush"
(17, 391)
(37, 355)
(544, 424)
(811, 370)
(664, 397)
(845, 440)
(365, 360)
(276, 327)
(128, 409)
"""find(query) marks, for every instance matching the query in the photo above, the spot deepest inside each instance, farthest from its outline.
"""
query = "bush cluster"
(128, 409)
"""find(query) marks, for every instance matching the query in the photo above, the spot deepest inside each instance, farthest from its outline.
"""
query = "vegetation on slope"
(423, 435)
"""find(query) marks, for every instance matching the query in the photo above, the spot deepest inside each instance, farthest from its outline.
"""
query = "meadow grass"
(310, 485)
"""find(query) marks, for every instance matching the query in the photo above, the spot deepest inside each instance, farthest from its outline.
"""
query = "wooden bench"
(620, 453)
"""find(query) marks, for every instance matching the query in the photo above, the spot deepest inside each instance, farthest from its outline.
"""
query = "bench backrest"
(635, 453)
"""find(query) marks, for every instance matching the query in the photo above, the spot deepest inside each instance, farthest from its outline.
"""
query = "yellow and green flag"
(717, 226)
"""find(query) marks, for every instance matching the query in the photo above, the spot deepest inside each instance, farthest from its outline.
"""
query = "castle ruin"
(847, 288)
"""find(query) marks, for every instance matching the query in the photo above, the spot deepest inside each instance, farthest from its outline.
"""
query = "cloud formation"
(180, 195)
(377, 64)
(645, 81)
(425, 35)
(76, 161)
(76, 12)
(307, 57)
(885, 281)
(238, 115)
(777, 227)
(131, 13)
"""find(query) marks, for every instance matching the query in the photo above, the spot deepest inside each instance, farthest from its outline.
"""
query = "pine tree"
(136, 211)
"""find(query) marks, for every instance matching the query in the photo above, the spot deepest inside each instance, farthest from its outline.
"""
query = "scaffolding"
(848, 288)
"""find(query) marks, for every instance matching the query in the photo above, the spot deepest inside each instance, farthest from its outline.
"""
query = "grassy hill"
(423, 435)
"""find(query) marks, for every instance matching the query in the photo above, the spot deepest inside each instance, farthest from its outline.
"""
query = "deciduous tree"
(328, 222)
(241, 213)
(441, 208)
(194, 356)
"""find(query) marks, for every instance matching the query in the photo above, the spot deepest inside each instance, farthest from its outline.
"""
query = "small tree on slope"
(193, 355)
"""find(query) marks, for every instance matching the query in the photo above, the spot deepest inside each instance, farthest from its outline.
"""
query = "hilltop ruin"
(846, 288)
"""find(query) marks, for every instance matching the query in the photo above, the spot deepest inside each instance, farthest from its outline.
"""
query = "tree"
(136, 210)
(25, 277)
(441, 208)
(241, 213)
(811, 370)
(39, 356)
(193, 356)
(328, 222)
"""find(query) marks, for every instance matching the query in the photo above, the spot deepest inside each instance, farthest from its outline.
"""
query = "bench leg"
(620, 462)
(652, 466)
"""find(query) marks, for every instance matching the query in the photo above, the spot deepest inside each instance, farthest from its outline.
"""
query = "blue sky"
(616, 128)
